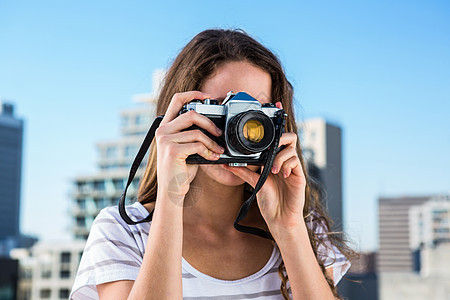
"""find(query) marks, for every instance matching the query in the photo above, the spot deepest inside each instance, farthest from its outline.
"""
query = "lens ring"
(236, 132)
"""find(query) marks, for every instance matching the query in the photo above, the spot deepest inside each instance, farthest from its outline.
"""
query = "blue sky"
(379, 69)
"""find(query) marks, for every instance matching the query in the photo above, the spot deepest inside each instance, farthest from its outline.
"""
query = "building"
(361, 280)
(8, 278)
(48, 270)
(11, 136)
(104, 188)
(414, 248)
(395, 254)
(432, 282)
(429, 223)
(322, 148)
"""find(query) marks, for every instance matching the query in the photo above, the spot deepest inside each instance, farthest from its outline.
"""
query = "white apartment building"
(103, 188)
(429, 223)
(48, 270)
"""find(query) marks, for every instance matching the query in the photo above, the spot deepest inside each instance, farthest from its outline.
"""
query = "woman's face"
(236, 76)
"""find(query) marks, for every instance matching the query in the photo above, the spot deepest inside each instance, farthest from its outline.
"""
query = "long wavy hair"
(206, 52)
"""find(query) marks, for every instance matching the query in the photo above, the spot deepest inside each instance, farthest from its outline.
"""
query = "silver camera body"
(248, 127)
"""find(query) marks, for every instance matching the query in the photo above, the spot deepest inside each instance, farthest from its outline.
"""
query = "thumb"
(245, 174)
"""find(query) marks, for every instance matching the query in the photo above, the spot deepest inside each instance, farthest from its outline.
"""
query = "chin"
(222, 176)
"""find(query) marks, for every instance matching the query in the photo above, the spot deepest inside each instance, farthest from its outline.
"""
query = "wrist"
(167, 198)
(289, 234)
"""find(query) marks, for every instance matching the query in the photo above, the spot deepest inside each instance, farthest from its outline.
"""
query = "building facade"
(322, 147)
(431, 283)
(104, 188)
(395, 254)
(429, 223)
(11, 136)
(48, 270)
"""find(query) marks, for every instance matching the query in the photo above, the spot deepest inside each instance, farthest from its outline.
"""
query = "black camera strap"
(134, 167)
(279, 123)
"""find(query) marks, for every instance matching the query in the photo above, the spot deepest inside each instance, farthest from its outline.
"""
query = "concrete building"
(48, 270)
(429, 223)
(395, 254)
(103, 188)
(414, 248)
(431, 283)
(322, 148)
(96, 191)
(11, 136)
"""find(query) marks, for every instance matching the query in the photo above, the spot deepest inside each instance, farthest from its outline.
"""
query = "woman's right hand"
(174, 146)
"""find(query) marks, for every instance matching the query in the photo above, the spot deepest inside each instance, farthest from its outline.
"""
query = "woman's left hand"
(282, 197)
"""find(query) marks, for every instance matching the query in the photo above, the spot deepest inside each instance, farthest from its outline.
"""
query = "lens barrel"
(250, 132)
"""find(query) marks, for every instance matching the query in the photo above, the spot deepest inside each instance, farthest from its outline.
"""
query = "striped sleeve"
(111, 253)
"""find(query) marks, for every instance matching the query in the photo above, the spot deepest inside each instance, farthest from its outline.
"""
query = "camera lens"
(250, 132)
(253, 131)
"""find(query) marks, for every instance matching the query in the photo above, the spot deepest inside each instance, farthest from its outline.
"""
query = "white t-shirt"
(114, 251)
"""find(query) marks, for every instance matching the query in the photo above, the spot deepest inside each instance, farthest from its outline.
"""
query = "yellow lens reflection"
(253, 131)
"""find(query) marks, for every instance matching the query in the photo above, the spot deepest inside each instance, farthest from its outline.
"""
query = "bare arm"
(162, 256)
(281, 201)
(160, 273)
(305, 276)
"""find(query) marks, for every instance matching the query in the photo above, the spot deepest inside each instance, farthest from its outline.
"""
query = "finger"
(279, 105)
(288, 139)
(197, 148)
(196, 135)
(281, 157)
(245, 174)
(177, 102)
(192, 118)
(289, 165)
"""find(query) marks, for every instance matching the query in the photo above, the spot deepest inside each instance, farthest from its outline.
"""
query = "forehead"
(239, 76)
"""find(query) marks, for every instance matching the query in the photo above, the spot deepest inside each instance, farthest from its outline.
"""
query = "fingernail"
(216, 155)
(274, 170)
(219, 131)
(285, 174)
(222, 150)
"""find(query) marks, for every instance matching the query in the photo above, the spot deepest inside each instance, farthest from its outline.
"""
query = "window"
(142, 120)
(84, 187)
(81, 221)
(81, 204)
(46, 271)
(111, 152)
(130, 151)
(45, 293)
(118, 184)
(65, 257)
(64, 293)
(99, 185)
(98, 203)
(64, 274)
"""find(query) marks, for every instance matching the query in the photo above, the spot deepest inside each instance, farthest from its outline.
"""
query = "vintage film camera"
(248, 126)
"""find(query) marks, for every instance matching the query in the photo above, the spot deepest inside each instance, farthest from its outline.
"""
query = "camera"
(248, 128)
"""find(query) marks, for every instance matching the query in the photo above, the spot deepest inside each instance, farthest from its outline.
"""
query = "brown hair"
(199, 59)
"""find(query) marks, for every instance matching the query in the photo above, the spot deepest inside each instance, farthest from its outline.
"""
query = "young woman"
(190, 249)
